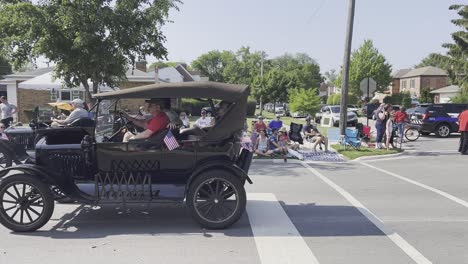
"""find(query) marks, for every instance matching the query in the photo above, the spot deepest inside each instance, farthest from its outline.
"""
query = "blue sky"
(405, 31)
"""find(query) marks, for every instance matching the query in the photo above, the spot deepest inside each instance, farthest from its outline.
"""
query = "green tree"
(305, 100)
(432, 59)
(406, 99)
(456, 59)
(426, 96)
(214, 63)
(306, 70)
(367, 62)
(5, 67)
(162, 64)
(331, 76)
(88, 39)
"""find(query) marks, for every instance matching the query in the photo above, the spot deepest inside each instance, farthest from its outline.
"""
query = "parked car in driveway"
(333, 112)
(353, 108)
(298, 114)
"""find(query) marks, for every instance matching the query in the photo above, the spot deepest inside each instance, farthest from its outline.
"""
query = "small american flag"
(170, 141)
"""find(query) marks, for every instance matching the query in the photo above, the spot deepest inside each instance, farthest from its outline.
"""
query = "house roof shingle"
(399, 73)
(447, 89)
(425, 71)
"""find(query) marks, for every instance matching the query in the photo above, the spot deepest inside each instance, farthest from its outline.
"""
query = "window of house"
(412, 84)
(65, 95)
(403, 84)
(53, 95)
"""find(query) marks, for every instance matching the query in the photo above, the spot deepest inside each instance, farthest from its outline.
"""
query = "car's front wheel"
(26, 203)
(216, 199)
(443, 131)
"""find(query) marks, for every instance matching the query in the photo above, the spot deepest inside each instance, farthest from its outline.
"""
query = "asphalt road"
(406, 209)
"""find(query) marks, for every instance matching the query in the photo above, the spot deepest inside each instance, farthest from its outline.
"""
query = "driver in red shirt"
(157, 123)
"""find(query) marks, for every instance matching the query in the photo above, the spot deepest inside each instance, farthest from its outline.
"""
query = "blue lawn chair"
(351, 138)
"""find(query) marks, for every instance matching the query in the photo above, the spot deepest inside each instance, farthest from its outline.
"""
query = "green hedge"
(194, 106)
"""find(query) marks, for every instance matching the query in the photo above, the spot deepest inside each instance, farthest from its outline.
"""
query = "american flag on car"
(170, 141)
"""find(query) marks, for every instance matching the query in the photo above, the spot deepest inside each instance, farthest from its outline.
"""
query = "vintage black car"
(207, 171)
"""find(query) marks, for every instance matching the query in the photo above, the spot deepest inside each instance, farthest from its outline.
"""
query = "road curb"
(377, 157)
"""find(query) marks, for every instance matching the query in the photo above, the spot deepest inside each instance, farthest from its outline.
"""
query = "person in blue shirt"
(276, 124)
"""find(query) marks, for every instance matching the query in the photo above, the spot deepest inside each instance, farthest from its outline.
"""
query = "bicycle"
(411, 132)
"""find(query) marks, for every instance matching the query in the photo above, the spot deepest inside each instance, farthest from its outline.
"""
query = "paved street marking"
(276, 237)
(432, 189)
(391, 234)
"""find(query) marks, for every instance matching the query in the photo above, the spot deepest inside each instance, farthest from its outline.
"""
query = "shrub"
(192, 106)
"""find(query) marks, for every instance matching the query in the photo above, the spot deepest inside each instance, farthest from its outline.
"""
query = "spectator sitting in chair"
(159, 121)
(312, 133)
(285, 141)
(204, 120)
(77, 113)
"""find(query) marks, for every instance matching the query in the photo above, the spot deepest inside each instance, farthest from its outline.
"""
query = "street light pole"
(345, 73)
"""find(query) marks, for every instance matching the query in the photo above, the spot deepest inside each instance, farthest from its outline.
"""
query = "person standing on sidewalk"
(463, 124)
(380, 123)
(8, 110)
(401, 119)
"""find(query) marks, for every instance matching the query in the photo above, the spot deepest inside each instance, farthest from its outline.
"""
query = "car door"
(165, 166)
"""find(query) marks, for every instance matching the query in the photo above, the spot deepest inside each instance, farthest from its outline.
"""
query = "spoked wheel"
(412, 134)
(217, 199)
(26, 203)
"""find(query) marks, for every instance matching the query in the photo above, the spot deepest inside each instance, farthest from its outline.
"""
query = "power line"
(316, 11)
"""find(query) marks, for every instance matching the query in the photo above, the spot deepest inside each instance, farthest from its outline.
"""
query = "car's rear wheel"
(26, 203)
(216, 199)
(443, 131)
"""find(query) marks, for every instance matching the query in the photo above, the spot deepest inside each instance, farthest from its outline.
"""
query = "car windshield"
(105, 119)
(335, 109)
(420, 109)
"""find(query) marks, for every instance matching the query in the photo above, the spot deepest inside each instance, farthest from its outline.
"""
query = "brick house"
(38, 88)
(414, 81)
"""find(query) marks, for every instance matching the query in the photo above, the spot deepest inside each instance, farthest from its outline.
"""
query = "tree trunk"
(88, 97)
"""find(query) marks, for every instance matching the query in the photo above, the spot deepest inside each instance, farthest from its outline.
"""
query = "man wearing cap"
(158, 122)
(276, 124)
(77, 113)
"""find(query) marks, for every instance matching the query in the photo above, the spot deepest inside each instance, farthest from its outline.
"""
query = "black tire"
(208, 205)
(425, 133)
(443, 131)
(412, 134)
(35, 203)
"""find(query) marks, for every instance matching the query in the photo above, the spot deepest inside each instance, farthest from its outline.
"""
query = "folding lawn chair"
(351, 138)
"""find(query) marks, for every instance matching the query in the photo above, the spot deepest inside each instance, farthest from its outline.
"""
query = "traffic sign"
(368, 87)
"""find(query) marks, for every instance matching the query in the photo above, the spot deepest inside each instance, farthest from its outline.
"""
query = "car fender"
(30, 169)
(218, 164)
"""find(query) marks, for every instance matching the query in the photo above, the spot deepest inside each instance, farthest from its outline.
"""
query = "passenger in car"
(158, 122)
(77, 113)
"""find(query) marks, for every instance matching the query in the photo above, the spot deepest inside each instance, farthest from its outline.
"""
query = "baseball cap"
(77, 101)
(260, 117)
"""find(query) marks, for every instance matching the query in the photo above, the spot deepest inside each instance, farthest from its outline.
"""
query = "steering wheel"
(127, 124)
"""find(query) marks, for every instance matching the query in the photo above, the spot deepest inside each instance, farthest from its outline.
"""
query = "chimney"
(141, 65)
(156, 74)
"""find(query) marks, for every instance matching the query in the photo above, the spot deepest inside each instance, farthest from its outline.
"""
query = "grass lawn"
(353, 154)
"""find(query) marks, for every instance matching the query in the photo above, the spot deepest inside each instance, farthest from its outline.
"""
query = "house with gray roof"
(445, 94)
(415, 80)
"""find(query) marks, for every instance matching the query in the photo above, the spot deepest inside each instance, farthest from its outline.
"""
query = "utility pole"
(345, 73)
(261, 75)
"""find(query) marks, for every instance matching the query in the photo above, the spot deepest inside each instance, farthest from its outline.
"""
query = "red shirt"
(158, 123)
(463, 119)
(401, 117)
(260, 126)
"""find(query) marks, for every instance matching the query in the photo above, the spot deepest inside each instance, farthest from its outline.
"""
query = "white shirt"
(7, 109)
(203, 122)
(76, 114)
